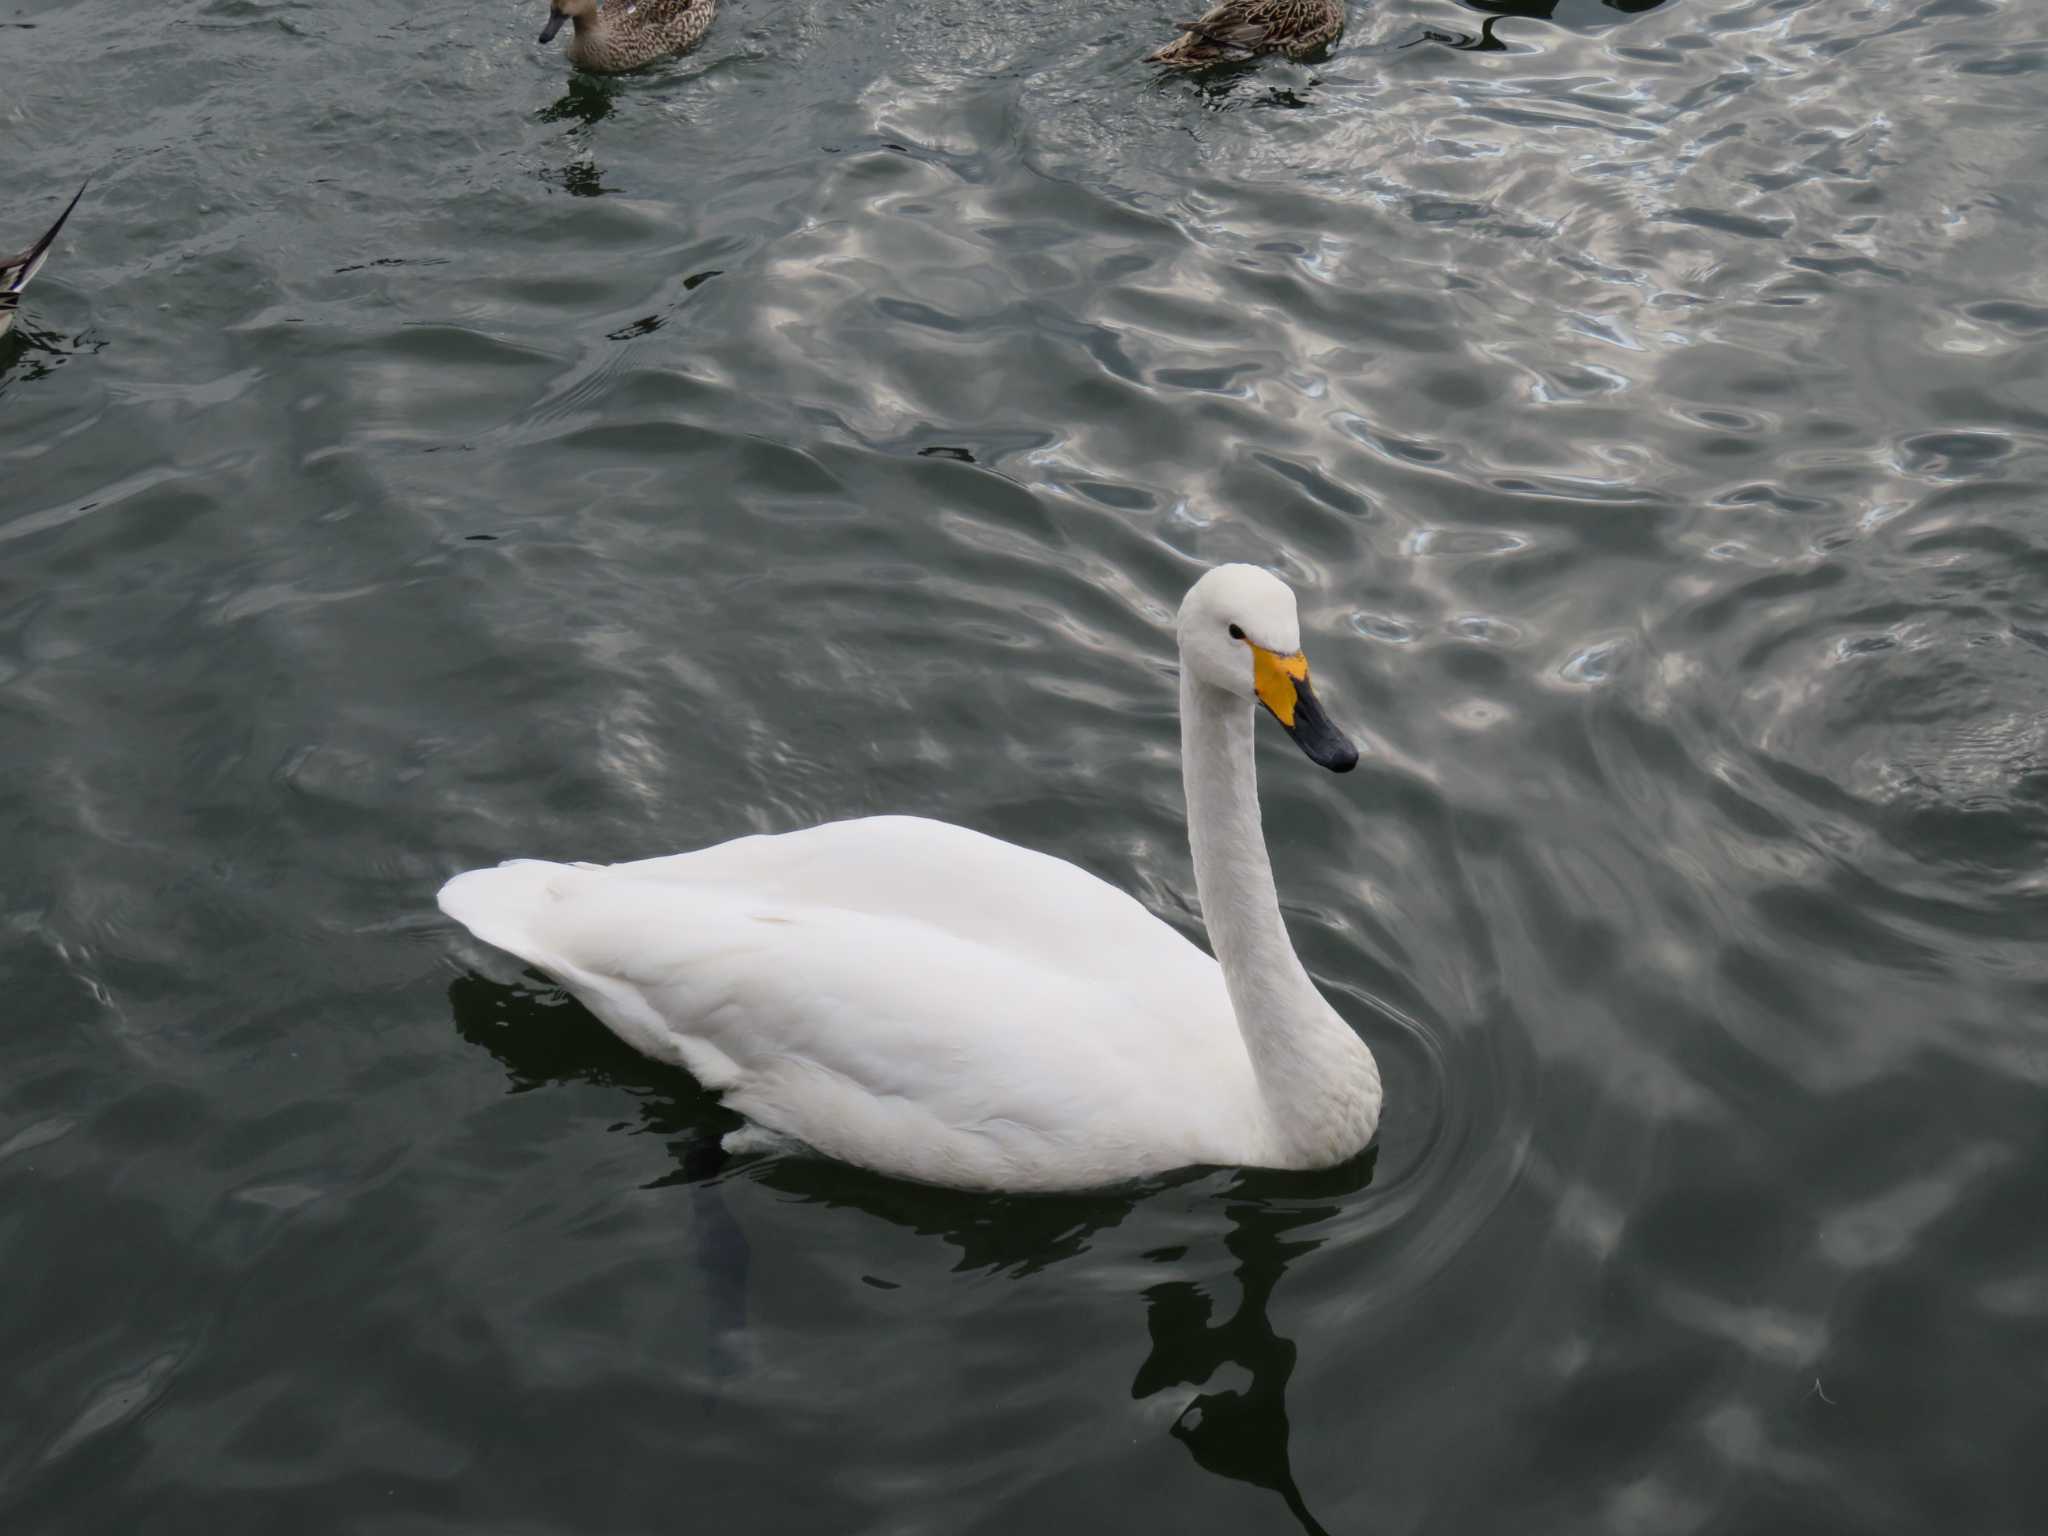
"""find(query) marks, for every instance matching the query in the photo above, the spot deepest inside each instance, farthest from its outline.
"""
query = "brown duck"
(613, 36)
(1243, 29)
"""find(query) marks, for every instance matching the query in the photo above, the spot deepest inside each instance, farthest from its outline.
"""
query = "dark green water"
(413, 457)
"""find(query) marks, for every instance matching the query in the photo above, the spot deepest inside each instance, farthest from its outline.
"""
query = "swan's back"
(902, 993)
(962, 882)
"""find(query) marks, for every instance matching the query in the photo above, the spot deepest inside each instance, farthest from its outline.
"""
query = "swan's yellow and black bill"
(1282, 684)
(555, 20)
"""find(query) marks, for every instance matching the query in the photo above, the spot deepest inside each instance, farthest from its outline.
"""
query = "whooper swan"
(942, 1006)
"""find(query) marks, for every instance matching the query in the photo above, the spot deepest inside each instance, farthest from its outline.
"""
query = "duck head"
(560, 11)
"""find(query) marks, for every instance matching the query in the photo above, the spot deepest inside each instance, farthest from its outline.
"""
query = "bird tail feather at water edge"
(15, 271)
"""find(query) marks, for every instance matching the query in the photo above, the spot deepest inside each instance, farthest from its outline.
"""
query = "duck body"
(943, 1006)
(615, 36)
(18, 269)
(1236, 30)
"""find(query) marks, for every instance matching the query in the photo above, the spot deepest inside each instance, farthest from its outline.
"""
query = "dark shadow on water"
(1483, 41)
(541, 1036)
(587, 101)
(1546, 10)
(29, 353)
(579, 178)
(1493, 12)
(1242, 1433)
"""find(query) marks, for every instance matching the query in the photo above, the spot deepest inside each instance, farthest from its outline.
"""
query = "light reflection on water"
(416, 456)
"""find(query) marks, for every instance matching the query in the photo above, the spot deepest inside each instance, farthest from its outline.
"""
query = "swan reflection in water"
(1240, 1432)
(1234, 1421)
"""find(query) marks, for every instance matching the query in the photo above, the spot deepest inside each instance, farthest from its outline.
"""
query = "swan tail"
(530, 908)
(503, 906)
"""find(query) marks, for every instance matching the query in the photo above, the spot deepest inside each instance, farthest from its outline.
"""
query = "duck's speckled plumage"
(619, 35)
(1241, 29)
(16, 270)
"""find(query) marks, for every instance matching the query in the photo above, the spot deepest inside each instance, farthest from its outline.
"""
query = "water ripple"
(477, 460)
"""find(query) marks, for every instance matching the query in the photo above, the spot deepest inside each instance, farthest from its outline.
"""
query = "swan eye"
(1236, 633)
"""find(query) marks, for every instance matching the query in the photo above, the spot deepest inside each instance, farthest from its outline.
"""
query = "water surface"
(416, 456)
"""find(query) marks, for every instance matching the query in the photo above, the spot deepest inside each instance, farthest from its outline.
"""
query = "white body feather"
(944, 1006)
(901, 993)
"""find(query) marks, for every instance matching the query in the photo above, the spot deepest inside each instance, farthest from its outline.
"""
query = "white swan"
(943, 1006)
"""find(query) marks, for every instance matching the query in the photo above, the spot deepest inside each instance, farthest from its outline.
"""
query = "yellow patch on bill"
(1274, 676)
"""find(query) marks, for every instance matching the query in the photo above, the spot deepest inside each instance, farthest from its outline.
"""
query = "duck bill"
(1282, 684)
(555, 20)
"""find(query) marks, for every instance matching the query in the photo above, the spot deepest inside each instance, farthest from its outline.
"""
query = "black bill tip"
(555, 20)
(1312, 731)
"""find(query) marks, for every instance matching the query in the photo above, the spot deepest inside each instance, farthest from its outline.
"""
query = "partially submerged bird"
(940, 1005)
(1242, 29)
(15, 271)
(619, 35)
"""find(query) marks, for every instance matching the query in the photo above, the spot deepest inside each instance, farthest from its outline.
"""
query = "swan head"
(1239, 632)
(560, 11)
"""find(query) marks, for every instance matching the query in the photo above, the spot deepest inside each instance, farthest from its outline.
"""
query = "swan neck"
(1318, 1082)
(1233, 873)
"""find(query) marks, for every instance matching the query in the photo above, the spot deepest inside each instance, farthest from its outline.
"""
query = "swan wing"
(1028, 1033)
(976, 887)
